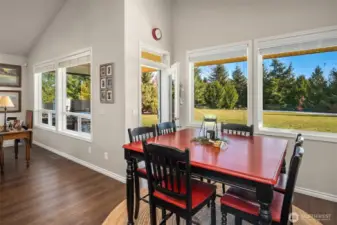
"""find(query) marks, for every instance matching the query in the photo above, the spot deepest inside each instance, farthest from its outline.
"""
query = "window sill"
(45, 127)
(80, 136)
(308, 135)
(83, 137)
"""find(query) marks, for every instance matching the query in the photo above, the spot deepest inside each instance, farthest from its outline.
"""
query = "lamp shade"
(5, 101)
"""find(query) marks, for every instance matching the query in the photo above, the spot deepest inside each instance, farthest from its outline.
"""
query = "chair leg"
(153, 215)
(178, 219)
(189, 220)
(224, 217)
(163, 215)
(208, 181)
(137, 195)
(223, 188)
(238, 220)
(213, 212)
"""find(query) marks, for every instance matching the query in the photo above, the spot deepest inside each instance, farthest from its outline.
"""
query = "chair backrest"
(166, 128)
(291, 182)
(237, 129)
(299, 141)
(141, 133)
(168, 169)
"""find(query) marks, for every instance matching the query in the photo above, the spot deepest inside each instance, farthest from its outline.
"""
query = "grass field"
(284, 120)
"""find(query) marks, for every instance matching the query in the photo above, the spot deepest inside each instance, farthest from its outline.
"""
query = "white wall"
(199, 23)
(80, 24)
(141, 16)
(17, 60)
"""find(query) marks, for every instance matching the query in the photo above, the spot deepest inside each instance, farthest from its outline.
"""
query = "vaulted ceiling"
(23, 21)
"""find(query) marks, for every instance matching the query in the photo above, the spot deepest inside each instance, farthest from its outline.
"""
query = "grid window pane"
(72, 123)
(86, 125)
(44, 118)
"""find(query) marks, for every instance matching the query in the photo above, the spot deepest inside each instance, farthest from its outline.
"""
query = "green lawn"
(271, 119)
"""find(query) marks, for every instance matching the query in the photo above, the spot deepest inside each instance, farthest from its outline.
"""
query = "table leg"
(16, 147)
(27, 145)
(284, 166)
(1, 156)
(264, 195)
(129, 191)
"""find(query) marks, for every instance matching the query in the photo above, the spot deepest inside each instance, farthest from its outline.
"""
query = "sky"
(304, 64)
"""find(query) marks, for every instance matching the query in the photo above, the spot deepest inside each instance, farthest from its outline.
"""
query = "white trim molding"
(83, 163)
(316, 194)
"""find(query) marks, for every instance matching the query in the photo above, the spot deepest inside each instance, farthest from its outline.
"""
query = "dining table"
(250, 162)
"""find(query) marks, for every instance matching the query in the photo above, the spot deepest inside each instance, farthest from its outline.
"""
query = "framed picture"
(15, 96)
(102, 71)
(103, 96)
(109, 97)
(109, 83)
(109, 70)
(103, 83)
(106, 83)
(10, 75)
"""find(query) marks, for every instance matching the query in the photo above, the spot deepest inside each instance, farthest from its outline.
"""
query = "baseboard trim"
(316, 194)
(83, 163)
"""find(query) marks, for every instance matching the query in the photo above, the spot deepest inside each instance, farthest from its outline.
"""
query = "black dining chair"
(140, 134)
(243, 205)
(171, 187)
(237, 129)
(166, 128)
(280, 186)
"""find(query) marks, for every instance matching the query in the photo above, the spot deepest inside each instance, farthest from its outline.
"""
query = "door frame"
(163, 67)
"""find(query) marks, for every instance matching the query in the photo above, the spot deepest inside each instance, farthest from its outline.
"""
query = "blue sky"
(304, 64)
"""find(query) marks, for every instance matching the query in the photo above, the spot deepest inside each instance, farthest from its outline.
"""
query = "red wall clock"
(156, 34)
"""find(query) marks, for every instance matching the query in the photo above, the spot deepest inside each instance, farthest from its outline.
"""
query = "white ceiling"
(23, 21)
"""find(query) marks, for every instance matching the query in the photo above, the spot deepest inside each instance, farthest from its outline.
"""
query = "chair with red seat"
(140, 134)
(280, 186)
(171, 187)
(243, 205)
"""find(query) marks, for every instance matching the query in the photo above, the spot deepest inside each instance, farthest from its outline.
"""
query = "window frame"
(210, 51)
(286, 39)
(61, 97)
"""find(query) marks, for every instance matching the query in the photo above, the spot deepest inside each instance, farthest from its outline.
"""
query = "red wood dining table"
(252, 162)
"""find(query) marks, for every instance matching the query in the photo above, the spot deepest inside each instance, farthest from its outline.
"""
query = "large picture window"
(299, 82)
(220, 84)
(63, 95)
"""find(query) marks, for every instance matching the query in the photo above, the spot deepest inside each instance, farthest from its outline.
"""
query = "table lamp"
(6, 102)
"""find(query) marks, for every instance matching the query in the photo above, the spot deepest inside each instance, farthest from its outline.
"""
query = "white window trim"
(61, 98)
(218, 50)
(290, 38)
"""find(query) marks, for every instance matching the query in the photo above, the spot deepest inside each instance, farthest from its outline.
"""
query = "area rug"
(118, 216)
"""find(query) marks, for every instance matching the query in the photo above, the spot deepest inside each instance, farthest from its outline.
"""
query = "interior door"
(174, 93)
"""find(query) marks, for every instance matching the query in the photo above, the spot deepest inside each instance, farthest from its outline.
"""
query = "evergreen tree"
(48, 88)
(333, 81)
(213, 95)
(240, 83)
(318, 88)
(229, 96)
(220, 74)
(199, 88)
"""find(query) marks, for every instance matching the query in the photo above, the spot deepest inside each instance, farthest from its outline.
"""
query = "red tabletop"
(254, 158)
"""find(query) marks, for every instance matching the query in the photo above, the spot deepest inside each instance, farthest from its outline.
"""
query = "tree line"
(282, 89)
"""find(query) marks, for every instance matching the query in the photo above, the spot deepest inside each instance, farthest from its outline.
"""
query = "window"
(63, 95)
(220, 79)
(299, 82)
(47, 110)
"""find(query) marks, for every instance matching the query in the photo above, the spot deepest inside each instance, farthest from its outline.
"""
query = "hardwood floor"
(54, 190)
(57, 191)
